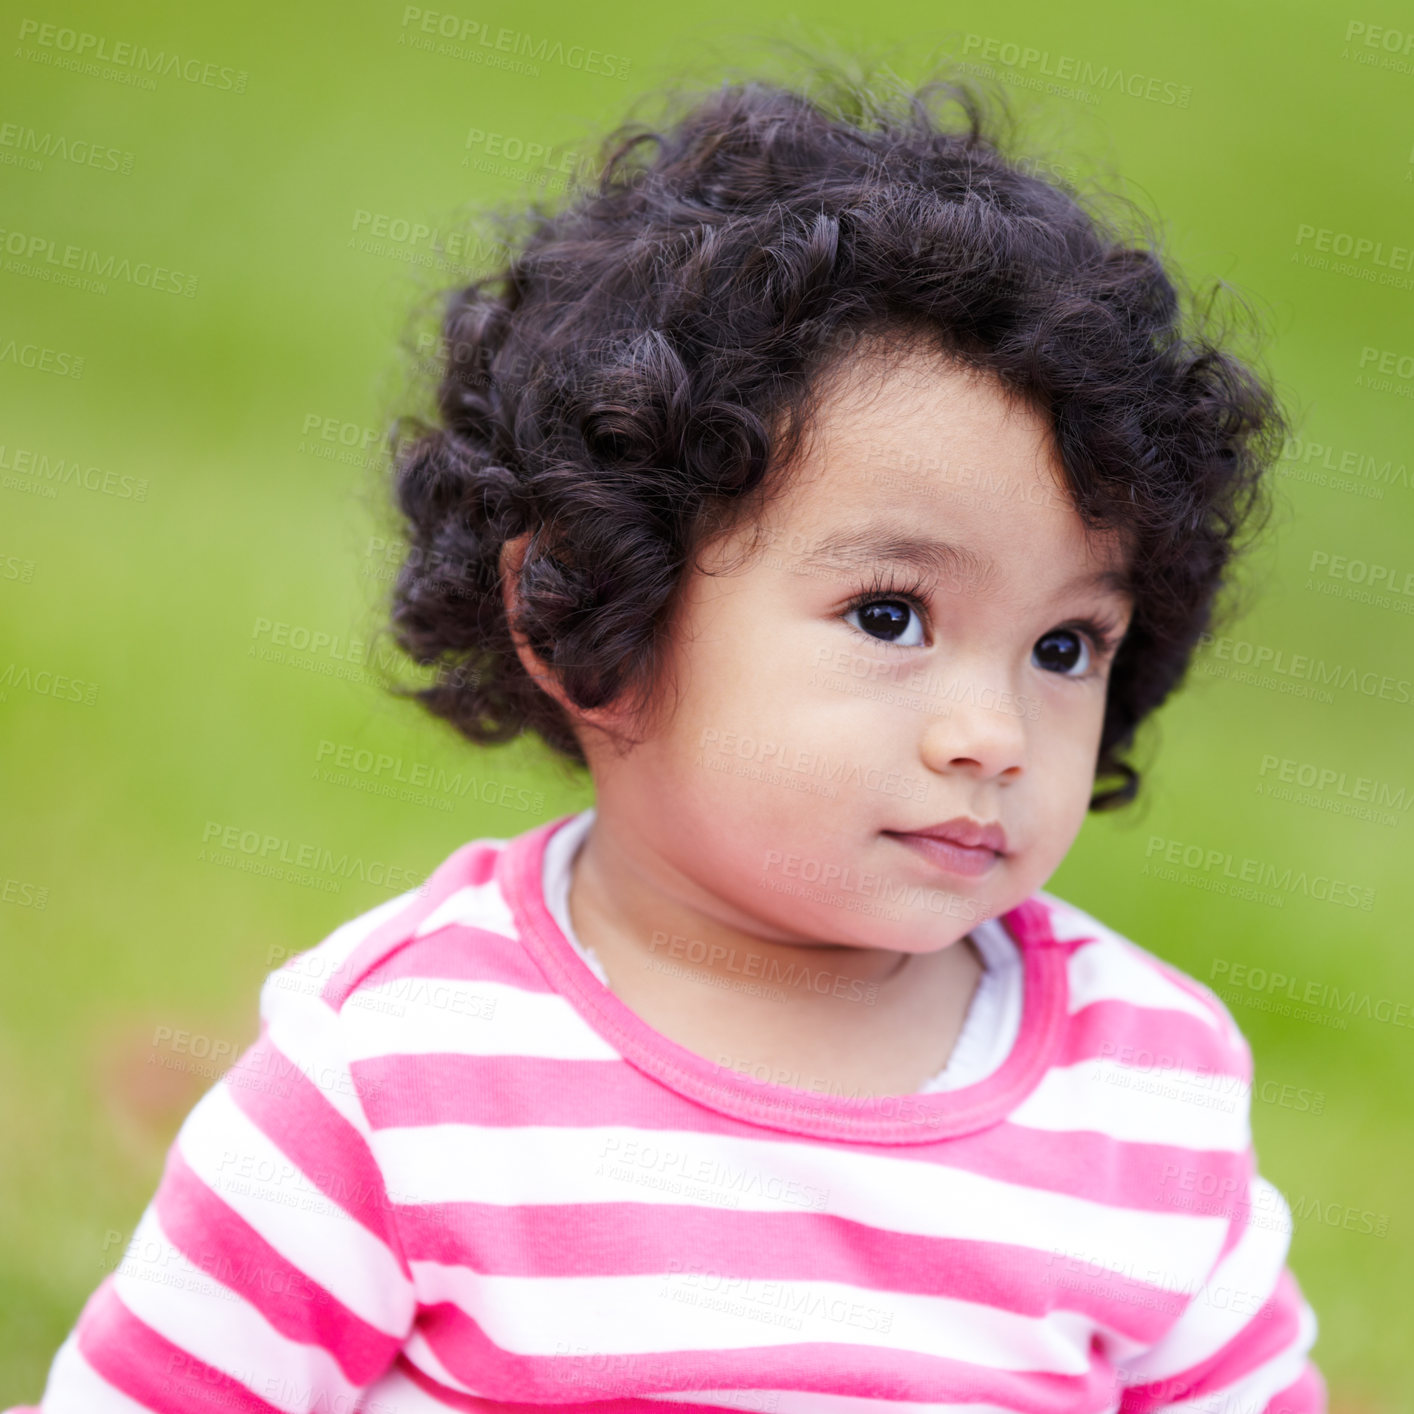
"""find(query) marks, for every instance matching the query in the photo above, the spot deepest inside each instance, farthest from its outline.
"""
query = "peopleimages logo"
(31, 149)
(1304, 460)
(1309, 992)
(1263, 657)
(35, 254)
(1069, 68)
(1342, 792)
(84, 50)
(1261, 873)
(1357, 246)
(464, 38)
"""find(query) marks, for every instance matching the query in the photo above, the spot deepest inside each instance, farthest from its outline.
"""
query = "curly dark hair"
(639, 371)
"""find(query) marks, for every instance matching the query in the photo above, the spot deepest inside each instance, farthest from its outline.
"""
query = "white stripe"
(639, 1315)
(308, 973)
(1114, 969)
(1069, 922)
(1186, 1108)
(425, 1359)
(451, 1163)
(312, 1030)
(1243, 1282)
(205, 1318)
(416, 1016)
(398, 1393)
(302, 1024)
(794, 1401)
(307, 1228)
(475, 906)
(75, 1387)
(1254, 1391)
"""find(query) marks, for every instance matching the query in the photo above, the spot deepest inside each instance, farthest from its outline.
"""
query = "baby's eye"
(1060, 651)
(889, 620)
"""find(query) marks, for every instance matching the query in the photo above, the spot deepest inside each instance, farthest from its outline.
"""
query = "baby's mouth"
(968, 861)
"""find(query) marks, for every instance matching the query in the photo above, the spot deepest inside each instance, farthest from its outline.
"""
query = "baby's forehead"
(823, 539)
(860, 500)
(913, 411)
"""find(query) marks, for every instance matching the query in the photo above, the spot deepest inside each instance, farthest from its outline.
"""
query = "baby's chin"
(843, 924)
(857, 887)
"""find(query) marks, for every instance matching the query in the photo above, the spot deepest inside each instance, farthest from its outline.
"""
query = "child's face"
(807, 734)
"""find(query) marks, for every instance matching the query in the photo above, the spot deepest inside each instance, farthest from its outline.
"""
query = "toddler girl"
(842, 496)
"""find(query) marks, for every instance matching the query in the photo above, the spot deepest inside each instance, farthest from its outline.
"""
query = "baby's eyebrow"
(1115, 581)
(875, 543)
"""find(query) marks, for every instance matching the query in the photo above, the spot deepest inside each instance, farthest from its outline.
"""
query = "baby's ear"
(511, 559)
(608, 719)
(540, 673)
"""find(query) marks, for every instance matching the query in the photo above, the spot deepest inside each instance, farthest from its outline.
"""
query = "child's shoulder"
(463, 894)
(1106, 966)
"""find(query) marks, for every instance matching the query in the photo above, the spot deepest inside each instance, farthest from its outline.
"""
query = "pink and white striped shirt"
(456, 1172)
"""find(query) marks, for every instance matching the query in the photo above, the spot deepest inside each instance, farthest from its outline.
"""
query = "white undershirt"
(993, 1017)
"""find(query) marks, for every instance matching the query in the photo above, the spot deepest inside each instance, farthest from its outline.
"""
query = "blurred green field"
(217, 484)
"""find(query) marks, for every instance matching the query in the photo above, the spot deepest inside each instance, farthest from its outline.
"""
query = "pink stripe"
(1271, 1330)
(500, 1091)
(1151, 1039)
(473, 863)
(148, 1368)
(298, 1118)
(214, 1237)
(1307, 1395)
(460, 952)
(831, 1367)
(583, 1386)
(1238, 1209)
(632, 1239)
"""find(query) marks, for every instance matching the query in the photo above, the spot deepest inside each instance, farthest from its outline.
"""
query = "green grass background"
(156, 601)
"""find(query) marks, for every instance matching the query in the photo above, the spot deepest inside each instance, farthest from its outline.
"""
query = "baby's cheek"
(1066, 736)
(1063, 782)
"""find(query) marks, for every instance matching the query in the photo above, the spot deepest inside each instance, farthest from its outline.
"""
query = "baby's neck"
(872, 1021)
